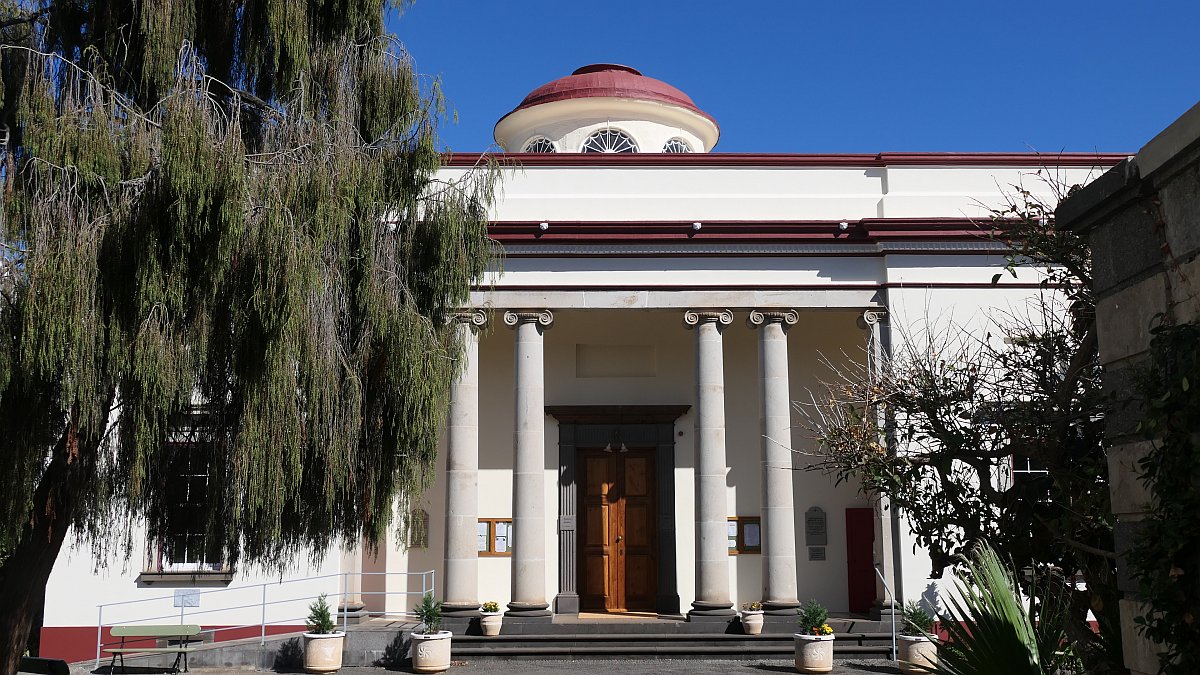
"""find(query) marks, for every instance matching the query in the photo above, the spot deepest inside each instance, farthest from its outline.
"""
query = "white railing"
(283, 602)
(892, 597)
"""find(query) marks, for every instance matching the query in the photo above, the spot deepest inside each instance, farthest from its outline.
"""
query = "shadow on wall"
(290, 657)
(395, 655)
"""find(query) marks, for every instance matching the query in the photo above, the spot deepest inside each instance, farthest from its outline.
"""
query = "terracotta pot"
(323, 652)
(490, 622)
(752, 621)
(814, 653)
(915, 650)
(431, 653)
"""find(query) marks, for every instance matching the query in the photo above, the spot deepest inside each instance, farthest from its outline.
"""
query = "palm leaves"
(991, 631)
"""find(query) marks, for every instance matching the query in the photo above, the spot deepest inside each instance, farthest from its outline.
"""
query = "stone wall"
(1143, 221)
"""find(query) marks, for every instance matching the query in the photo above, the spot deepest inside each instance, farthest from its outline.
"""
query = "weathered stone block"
(1125, 534)
(1185, 290)
(1124, 319)
(1124, 247)
(1141, 655)
(1181, 210)
(1129, 493)
(1120, 385)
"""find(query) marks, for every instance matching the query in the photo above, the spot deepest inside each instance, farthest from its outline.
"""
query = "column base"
(781, 607)
(460, 609)
(711, 611)
(529, 610)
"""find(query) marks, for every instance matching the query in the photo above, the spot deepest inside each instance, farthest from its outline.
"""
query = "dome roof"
(610, 80)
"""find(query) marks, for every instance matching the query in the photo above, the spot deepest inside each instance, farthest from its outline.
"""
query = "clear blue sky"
(838, 76)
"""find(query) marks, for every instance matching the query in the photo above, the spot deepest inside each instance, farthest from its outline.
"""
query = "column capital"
(476, 319)
(543, 318)
(761, 317)
(695, 317)
(872, 316)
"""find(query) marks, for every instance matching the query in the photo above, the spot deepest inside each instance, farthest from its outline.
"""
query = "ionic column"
(461, 583)
(777, 513)
(529, 506)
(889, 594)
(712, 550)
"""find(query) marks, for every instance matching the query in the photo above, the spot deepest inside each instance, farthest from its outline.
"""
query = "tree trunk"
(25, 571)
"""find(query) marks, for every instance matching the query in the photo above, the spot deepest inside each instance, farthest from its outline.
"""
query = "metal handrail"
(892, 596)
(428, 585)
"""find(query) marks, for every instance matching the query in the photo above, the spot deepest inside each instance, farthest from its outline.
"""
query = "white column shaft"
(778, 513)
(462, 479)
(529, 507)
(712, 551)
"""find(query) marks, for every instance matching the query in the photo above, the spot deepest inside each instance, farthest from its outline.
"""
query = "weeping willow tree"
(229, 206)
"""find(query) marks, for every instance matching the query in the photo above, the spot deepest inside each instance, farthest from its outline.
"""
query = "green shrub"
(429, 612)
(319, 619)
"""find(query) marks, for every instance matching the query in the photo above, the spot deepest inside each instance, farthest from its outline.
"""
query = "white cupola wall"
(607, 108)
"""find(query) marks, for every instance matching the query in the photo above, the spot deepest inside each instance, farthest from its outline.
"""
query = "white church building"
(623, 438)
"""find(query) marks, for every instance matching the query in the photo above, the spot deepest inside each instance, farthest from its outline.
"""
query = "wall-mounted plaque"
(815, 531)
(816, 553)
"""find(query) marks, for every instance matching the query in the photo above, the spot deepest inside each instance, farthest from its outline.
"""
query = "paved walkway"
(624, 667)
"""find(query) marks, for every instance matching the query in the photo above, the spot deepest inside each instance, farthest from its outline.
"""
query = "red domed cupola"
(607, 107)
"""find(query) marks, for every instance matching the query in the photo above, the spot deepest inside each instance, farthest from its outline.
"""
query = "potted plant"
(918, 650)
(322, 642)
(814, 642)
(490, 618)
(430, 644)
(752, 618)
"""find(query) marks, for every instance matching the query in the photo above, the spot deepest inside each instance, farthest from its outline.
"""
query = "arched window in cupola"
(541, 145)
(609, 140)
(676, 145)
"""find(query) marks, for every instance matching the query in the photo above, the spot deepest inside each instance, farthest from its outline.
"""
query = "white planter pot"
(814, 653)
(490, 622)
(431, 653)
(914, 651)
(752, 622)
(323, 652)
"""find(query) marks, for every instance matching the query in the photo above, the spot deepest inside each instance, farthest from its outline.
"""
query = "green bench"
(182, 634)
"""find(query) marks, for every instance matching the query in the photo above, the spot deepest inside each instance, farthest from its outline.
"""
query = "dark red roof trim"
(1066, 159)
(766, 287)
(862, 231)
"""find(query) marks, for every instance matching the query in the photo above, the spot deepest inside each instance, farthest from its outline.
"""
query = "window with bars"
(541, 145)
(494, 537)
(183, 544)
(676, 145)
(609, 140)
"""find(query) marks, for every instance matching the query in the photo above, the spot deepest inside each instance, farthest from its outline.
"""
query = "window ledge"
(182, 579)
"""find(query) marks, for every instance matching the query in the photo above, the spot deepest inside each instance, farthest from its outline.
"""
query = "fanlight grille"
(676, 145)
(609, 140)
(540, 145)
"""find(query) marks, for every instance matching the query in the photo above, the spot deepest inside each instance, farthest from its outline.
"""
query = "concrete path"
(624, 667)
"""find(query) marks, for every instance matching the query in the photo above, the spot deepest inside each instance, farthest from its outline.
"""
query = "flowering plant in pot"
(490, 618)
(814, 642)
(430, 644)
(917, 647)
(323, 642)
(752, 617)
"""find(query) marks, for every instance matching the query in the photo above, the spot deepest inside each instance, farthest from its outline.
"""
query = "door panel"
(618, 564)
(860, 559)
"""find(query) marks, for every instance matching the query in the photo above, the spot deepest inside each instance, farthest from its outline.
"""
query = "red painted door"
(860, 559)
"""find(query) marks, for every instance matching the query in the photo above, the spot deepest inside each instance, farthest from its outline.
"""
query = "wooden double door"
(618, 566)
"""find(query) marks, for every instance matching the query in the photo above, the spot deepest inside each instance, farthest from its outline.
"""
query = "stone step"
(600, 651)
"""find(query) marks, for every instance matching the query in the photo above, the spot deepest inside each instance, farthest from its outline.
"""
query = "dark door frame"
(599, 426)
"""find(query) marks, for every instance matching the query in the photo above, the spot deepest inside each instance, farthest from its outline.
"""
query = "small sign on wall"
(815, 531)
(816, 553)
(187, 597)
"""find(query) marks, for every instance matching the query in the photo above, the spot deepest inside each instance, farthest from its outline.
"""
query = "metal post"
(895, 654)
(262, 636)
(345, 602)
(99, 631)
